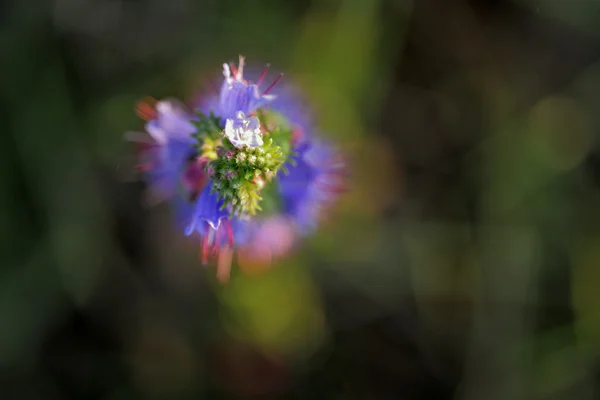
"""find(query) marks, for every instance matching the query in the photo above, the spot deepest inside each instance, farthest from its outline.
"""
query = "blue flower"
(239, 95)
(167, 149)
(208, 175)
(173, 122)
(218, 231)
(208, 209)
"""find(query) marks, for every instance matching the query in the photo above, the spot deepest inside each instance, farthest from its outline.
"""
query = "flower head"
(250, 167)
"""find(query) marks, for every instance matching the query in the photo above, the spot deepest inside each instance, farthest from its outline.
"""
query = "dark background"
(464, 263)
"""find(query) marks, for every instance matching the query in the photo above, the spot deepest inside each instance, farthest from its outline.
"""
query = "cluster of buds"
(239, 174)
(242, 162)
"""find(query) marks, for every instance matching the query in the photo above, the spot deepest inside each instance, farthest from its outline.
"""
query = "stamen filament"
(234, 70)
(240, 73)
(145, 167)
(224, 264)
(273, 84)
(262, 76)
(205, 249)
(229, 231)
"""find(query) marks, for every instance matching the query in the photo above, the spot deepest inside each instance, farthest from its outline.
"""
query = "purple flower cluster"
(221, 153)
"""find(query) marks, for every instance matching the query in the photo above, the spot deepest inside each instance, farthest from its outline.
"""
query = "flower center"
(243, 157)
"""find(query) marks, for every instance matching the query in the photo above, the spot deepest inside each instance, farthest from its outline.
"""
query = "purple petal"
(208, 209)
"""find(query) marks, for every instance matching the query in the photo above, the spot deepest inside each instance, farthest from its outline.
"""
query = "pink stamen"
(273, 84)
(145, 146)
(339, 188)
(297, 135)
(332, 183)
(145, 167)
(331, 179)
(205, 245)
(218, 237)
(337, 160)
(205, 250)
(229, 232)
(234, 70)
(262, 76)
(215, 248)
(224, 264)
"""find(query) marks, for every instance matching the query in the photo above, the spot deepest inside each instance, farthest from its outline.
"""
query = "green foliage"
(271, 202)
(278, 129)
(208, 134)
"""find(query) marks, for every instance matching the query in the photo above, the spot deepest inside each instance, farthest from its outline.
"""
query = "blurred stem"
(338, 50)
(498, 359)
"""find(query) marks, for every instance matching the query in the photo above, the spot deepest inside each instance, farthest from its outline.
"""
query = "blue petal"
(294, 186)
(208, 209)
(294, 107)
(171, 161)
(236, 96)
(302, 197)
(242, 230)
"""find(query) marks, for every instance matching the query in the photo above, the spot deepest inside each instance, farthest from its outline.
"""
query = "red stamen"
(219, 237)
(273, 84)
(214, 250)
(337, 160)
(145, 167)
(216, 241)
(224, 264)
(297, 135)
(143, 147)
(234, 70)
(334, 188)
(145, 108)
(258, 181)
(333, 183)
(205, 246)
(263, 75)
(194, 178)
(229, 231)
(332, 178)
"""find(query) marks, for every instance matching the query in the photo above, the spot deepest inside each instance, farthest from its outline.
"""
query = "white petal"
(253, 124)
(256, 140)
(240, 72)
(226, 71)
(156, 131)
(269, 97)
(228, 126)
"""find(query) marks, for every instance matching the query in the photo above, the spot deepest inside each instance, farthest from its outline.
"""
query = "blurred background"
(464, 263)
